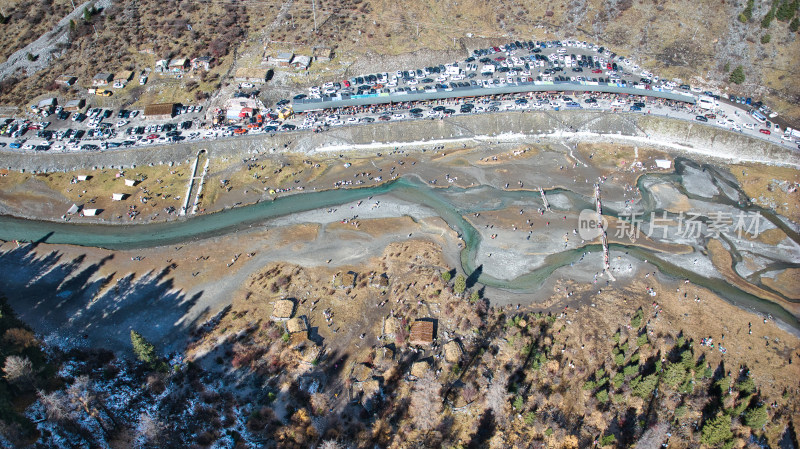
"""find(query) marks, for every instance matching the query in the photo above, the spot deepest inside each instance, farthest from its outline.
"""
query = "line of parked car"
(92, 131)
(521, 61)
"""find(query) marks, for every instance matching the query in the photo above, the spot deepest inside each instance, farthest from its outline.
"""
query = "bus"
(758, 115)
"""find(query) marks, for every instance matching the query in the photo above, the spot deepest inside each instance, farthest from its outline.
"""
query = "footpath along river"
(444, 201)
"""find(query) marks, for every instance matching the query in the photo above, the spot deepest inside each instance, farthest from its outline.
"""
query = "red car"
(597, 71)
(152, 136)
(346, 83)
(765, 131)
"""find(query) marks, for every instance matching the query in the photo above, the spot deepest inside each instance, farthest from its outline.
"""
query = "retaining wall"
(571, 125)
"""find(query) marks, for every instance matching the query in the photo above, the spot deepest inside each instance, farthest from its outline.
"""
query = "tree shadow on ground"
(70, 304)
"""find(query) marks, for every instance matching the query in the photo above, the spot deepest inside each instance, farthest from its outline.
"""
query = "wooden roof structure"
(421, 333)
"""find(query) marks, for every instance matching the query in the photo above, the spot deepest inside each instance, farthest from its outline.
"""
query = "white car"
(352, 120)
(399, 116)
(122, 123)
(58, 147)
(246, 85)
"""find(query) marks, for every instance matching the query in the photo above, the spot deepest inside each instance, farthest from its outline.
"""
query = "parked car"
(765, 131)
(700, 118)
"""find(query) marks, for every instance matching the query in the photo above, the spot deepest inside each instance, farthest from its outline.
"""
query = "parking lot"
(542, 76)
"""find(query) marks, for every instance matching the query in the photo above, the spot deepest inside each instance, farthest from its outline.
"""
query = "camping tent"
(130, 182)
(74, 209)
(89, 212)
(117, 196)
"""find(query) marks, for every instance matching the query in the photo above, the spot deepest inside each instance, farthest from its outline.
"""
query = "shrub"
(619, 359)
(446, 276)
(737, 76)
(630, 370)
(642, 340)
(794, 25)
(602, 396)
(608, 440)
(766, 38)
(636, 321)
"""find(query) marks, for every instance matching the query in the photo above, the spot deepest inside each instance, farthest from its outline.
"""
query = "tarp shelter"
(73, 210)
(48, 103)
(83, 177)
(130, 182)
(89, 212)
(117, 196)
(663, 163)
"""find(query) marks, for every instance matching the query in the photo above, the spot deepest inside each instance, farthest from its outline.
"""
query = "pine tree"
(475, 296)
(756, 417)
(144, 350)
(460, 284)
(717, 430)
(737, 76)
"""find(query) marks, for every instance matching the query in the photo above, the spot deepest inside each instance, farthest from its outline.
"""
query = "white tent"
(117, 196)
(82, 177)
(74, 209)
(130, 182)
(89, 212)
(663, 163)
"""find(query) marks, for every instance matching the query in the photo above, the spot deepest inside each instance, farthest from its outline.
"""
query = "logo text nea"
(590, 226)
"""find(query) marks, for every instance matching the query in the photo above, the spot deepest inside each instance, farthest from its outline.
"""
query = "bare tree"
(19, 371)
(331, 444)
(497, 396)
(653, 437)
(148, 428)
(83, 394)
(57, 406)
(469, 392)
(426, 404)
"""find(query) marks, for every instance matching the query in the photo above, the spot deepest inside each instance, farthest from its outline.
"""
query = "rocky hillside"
(699, 42)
